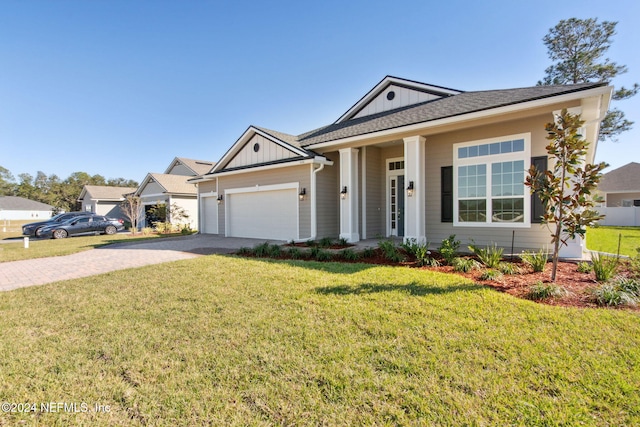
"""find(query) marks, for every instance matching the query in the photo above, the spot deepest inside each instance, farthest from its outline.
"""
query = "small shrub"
(323, 255)
(262, 250)
(634, 264)
(490, 274)
(245, 251)
(464, 265)
(508, 268)
(610, 294)
(489, 256)
(535, 260)
(584, 267)
(423, 256)
(186, 229)
(294, 253)
(449, 248)
(604, 266)
(325, 242)
(349, 254)
(274, 251)
(628, 285)
(541, 291)
(146, 231)
(368, 253)
(343, 242)
(390, 251)
(410, 246)
(311, 243)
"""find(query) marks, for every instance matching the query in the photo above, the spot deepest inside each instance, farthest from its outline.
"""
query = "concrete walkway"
(119, 256)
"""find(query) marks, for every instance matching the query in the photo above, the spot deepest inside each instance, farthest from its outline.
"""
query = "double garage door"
(271, 214)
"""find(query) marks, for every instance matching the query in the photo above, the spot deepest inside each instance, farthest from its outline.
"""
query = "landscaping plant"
(604, 266)
(449, 248)
(542, 291)
(490, 256)
(535, 260)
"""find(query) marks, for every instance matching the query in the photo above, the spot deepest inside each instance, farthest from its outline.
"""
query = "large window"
(489, 182)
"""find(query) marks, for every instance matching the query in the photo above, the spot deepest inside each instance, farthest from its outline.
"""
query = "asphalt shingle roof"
(625, 178)
(200, 167)
(174, 184)
(14, 203)
(104, 192)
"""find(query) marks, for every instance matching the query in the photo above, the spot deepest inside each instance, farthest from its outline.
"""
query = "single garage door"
(263, 214)
(210, 215)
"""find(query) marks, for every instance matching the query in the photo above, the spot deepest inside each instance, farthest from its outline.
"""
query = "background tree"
(578, 46)
(567, 190)
(132, 209)
(7, 184)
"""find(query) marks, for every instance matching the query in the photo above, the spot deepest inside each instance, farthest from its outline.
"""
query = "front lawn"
(50, 247)
(228, 341)
(605, 239)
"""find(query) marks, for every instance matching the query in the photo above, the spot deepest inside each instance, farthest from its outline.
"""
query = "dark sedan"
(33, 228)
(93, 224)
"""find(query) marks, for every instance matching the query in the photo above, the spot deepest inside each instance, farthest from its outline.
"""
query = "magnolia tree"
(132, 209)
(568, 189)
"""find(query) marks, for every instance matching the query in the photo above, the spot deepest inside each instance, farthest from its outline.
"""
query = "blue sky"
(120, 88)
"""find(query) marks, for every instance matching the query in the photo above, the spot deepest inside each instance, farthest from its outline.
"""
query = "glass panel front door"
(396, 205)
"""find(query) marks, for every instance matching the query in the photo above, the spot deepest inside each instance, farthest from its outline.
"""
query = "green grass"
(12, 228)
(605, 239)
(229, 341)
(47, 248)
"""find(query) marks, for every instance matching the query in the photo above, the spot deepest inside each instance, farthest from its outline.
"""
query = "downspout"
(314, 216)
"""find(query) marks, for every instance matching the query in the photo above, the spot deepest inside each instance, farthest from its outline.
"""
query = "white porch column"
(414, 172)
(349, 204)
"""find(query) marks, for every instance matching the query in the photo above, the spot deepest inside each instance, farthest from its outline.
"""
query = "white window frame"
(488, 160)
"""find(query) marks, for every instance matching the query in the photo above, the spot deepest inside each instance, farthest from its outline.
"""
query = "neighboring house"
(19, 208)
(104, 200)
(620, 189)
(172, 189)
(408, 159)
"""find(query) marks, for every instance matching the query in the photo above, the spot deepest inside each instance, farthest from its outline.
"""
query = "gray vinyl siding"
(327, 199)
(207, 187)
(299, 174)
(152, 188)
(439, 152)
(375, 173)
(180, 169)
(615, 199)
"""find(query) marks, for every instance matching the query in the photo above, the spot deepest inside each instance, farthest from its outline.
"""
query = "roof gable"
(259, 146)
(188, 167)
(625, 178)
(394, 92)
(169, 184)
(105, 192)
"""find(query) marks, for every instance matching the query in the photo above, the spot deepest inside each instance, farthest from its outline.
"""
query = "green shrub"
(449, 248)
(611, 294)
(541, 291)
(535, 260)
(262, 250)
(343, 242)
(311, 243)
(390, 251)
(423, 256)
(245, 251)
(604, 266)
(368, 253)
(186, 229)
(508, 268)
(294, 253)
(634, 264)
(628, 285)
(325, 242)
(464, 265)
(349, 254)
(489, 256)
(275, 251)
(490, 274)
(323, 255)
(584, 267)
(146, 231)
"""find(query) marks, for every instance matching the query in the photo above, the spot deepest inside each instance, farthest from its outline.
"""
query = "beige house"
(408, 159)
(104, 200)
(621, 187)
(171, 188)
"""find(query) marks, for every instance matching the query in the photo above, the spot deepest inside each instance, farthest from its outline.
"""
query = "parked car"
(33, 228)
(87, 224)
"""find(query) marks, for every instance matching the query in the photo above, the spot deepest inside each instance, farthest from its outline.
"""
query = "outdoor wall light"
(410, 189)
(302, 193)
(220, 198)
(343, 192)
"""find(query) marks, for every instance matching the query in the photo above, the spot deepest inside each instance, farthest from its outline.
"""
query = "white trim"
(317, 160)
(488, 160)
(419, 128)
(154, 195)
(388, 176)
(363, 223)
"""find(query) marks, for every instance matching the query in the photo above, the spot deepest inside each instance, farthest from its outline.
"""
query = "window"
(489, 182)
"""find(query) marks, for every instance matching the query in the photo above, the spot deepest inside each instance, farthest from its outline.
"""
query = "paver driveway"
(20, 274)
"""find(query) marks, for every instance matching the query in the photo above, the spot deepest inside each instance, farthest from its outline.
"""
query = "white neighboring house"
(104, 200)
(19, 208)
(171, 188)
(620, 189)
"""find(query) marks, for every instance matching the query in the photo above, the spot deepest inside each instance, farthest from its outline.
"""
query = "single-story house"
(621, 187)
(19, 208)
(408, 159)
(103, 199)
(172, 189)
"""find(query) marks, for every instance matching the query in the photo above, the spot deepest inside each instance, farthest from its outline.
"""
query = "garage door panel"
(263, 214)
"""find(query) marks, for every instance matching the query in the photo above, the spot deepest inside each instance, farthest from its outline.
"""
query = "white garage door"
(263, 215)
(209, 215)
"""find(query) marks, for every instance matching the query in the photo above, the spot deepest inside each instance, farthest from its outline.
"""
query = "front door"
(395, 197)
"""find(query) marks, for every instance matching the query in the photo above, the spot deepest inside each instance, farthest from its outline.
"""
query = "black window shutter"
(537, 207)
(446, 193)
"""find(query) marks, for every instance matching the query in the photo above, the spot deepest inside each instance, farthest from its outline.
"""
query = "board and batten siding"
(152, 188)
(328, 198)
(268, 151)
(402, 97)
(180, 169)
(282, 175)
(439, 152)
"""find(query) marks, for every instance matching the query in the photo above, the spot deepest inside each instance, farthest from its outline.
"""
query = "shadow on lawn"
(411, 289)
